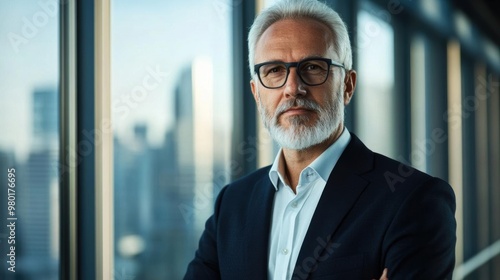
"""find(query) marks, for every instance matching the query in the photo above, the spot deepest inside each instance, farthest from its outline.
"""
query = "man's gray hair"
(296, 9)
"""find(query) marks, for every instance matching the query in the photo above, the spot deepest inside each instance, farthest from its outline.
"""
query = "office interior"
(124, 119)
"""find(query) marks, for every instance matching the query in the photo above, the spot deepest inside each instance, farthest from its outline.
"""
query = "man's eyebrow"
(273, 61)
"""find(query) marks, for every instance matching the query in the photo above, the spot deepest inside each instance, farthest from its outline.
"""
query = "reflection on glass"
(171, 81)
(29, 125)
(374, 97)
(418, 104)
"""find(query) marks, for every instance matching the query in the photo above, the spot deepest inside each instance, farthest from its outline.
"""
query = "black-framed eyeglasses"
(312, 71)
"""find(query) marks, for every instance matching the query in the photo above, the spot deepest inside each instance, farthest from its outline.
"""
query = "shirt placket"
(304, 189)
(287, 234)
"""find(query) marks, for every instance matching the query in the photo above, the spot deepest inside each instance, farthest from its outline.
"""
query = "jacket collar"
(257, 228)
(340, 194)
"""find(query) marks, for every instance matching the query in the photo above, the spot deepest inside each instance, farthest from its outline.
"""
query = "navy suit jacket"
(374, 213)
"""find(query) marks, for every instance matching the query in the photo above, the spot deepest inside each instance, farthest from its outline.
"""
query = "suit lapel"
(340, 194)
(258, 227)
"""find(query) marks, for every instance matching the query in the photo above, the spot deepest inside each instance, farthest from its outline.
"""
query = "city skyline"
(34, 64)
(163, 195)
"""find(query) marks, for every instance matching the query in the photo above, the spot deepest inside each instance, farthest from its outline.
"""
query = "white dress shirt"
(292, 213)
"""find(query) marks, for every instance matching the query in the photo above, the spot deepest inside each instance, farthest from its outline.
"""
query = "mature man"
(328, 207)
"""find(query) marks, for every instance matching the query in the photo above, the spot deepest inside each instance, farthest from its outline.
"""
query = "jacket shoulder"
(397, 175)
(247, 182)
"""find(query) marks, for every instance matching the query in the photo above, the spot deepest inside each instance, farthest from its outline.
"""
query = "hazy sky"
(157, 35)
(30, 62)
(167, 36)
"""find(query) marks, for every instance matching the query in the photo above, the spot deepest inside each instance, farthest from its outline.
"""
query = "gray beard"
(299, 135)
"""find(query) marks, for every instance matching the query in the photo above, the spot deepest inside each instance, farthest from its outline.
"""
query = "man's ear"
(349, 86)
(253, 86)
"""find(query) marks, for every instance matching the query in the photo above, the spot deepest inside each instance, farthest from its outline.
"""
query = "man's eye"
(312, 66)
(275, 70)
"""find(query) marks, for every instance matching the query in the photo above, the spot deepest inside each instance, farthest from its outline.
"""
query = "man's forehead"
(302, 37)
(295, 25)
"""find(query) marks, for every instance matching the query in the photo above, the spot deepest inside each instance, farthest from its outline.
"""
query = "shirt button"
(284, 251)
(294, 204)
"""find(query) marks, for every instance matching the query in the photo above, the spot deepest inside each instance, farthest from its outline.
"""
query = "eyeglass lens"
(312, 72)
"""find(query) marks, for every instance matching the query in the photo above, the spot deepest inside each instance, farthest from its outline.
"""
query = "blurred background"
(185, 123)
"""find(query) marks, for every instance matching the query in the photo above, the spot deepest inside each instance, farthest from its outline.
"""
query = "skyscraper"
(164, 195)
(45, 118)
(37, 190)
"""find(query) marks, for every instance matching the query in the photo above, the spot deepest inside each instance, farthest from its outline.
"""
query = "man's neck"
(296, 160)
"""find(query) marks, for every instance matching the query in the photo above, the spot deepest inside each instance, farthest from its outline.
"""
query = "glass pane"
(374, 97)
(418, 102)
(171, 88)
(29, 141)
(428, 103)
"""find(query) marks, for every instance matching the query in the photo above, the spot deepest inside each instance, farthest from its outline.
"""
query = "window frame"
(86, 185)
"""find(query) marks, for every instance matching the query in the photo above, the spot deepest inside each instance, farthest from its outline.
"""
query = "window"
(29, 121)
(428, 101)
(375, 98)
(172, 112)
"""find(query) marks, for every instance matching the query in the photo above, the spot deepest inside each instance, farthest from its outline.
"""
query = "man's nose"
(294, 85)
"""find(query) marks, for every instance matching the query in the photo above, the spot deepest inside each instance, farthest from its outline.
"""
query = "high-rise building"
(164, 195)
(37, 190)
(173, 173)
(45, 118)
(132, 200)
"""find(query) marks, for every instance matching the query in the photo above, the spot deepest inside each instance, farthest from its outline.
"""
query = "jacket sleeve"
(205, 264)
(420, 242)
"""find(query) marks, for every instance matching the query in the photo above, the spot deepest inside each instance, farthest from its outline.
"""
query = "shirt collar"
(323, 164)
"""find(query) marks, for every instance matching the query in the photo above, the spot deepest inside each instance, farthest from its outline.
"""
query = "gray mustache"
(298, 102)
